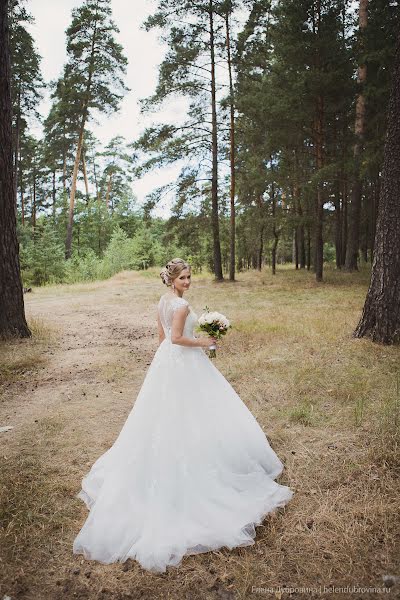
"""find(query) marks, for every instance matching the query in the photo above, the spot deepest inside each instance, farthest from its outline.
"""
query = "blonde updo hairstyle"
(172, 269)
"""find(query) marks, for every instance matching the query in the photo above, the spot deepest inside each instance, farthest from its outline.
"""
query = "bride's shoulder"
(174, 301)
(178, 302)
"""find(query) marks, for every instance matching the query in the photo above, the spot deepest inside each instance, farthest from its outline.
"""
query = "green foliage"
(118, 255)
(42, 256)
(26, 78)
(90, 42)
(289, 56)
(85, 267)
(329, 252)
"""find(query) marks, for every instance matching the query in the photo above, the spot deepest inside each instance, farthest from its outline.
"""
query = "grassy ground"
(328, 403)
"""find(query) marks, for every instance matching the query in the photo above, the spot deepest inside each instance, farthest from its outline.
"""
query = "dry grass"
(329, 404)
(21, 357)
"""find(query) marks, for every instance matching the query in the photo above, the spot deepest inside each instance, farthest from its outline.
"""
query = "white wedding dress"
(191, 470)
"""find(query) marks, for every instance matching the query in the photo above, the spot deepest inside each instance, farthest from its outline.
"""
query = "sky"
(144, 53)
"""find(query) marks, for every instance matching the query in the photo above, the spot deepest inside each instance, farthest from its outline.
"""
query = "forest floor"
(328, 403)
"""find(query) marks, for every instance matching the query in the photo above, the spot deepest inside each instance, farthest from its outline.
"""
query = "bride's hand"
(206, 342)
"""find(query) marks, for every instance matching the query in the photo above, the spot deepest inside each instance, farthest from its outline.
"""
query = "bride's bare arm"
(178, 323)
(161, 334)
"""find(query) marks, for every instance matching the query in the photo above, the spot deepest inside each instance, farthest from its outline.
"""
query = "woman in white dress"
(191, 470)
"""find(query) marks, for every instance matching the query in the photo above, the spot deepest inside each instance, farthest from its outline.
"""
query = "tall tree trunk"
(231, 154)
(375, 205)
(365, 212)
(318, 141)
(274, 230)
(214, 182)
(260, 251)
(21, 190)
(17, 144)
(84, 171)
(308, 247)
(96, 185)
(108, 189)
(260, 247)
(319, 202)
(381, 314)
(68, 241)
(64, 178)
(54, 195)
(338, 223)
(344, 222)
(300, 233)
(12, 313)
(34, 200)
(299, 253)
(353, 241)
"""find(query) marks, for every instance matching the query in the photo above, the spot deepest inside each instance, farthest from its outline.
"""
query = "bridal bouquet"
(215, 325)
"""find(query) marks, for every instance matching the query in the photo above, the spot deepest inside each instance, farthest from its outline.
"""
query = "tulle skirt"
(191, 470)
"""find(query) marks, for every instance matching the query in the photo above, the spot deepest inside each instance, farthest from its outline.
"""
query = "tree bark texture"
(12, 314)
(380, 319)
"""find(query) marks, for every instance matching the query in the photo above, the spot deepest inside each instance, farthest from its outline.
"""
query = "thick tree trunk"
(381, 314)
(353, 244)
(232, 258)
(12, 314)
(366, 225)
(214, 181)
(374, 210)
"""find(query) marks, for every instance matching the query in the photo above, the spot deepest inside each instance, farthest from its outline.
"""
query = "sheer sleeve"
(178, 303)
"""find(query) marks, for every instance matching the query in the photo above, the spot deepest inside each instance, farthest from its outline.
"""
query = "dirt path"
(102, 334)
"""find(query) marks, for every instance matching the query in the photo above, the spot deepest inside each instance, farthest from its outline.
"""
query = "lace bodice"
(167, 305)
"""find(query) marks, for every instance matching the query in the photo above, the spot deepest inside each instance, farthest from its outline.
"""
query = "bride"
(191, 470)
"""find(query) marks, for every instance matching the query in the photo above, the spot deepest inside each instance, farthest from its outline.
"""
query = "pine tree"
(193, 33)
(294, 84)
(26, 81)
(92, 76)
(117, 173)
